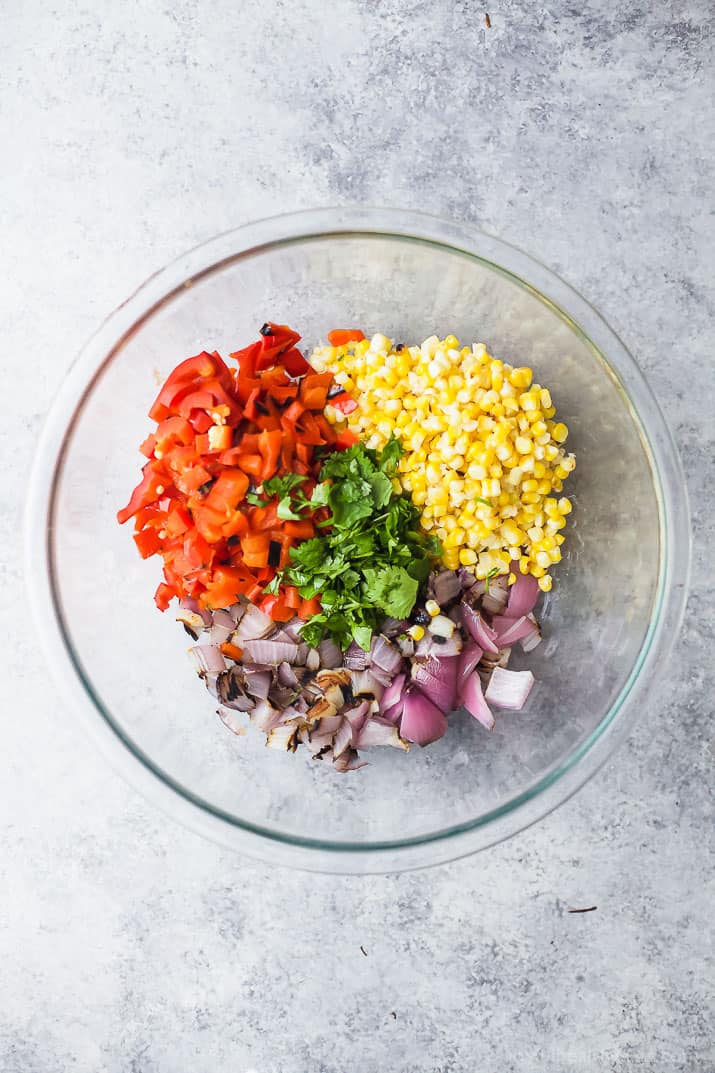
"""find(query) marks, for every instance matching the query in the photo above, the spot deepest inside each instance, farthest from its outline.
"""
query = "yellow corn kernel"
(545, 583)
(565, 506)
(560, 432)
(416, 632)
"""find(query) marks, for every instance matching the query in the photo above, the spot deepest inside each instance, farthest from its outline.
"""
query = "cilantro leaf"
(282, 486)
(391, 589)
(285, 511)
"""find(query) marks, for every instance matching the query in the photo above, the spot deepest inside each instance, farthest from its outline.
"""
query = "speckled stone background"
(582, 132)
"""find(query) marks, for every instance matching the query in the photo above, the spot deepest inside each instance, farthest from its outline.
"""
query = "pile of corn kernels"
(483, 455)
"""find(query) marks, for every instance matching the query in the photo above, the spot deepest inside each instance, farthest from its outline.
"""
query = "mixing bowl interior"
(133, 659)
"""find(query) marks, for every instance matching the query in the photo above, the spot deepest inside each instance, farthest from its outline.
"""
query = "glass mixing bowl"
(608, 623)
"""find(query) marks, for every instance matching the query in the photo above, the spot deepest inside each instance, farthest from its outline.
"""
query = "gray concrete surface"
(583, 133)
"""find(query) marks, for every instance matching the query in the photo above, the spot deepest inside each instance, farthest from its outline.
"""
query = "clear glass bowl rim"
(559, 783)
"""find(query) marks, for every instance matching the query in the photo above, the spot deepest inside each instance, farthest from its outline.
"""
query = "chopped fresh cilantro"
(372, 559)
(494, 570)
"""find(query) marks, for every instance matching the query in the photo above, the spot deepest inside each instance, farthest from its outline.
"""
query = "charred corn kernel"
(545, 583)
(432, 608)
(482, 453)
(416, 632)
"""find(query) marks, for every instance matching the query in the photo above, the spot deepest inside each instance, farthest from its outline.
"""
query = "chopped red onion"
(422, 722)
(471, 654)
(265, 716)
(343, 738)
(237, 611)
(356, 658)
(192, 622)
(495, 599)
(349, 761)
(383, 677)
(269, 652)
(229, 719)
(287, 676)
(357, 715)
(365, 684)
(523, 594)
(208, 659)
(445, 587)
(437, 679)
(330, 654)
(474, 701)
(511, 630)
(312, 659)
(483, 634)
(509, 689)
(378, 731)
(393, 714)
(384, 655)
(292, 628)
(282, 737)
(530, 642)
(220, 633)
(392, 627)
(258, 681)
(253, 626)
(189, 604)
(393, 693)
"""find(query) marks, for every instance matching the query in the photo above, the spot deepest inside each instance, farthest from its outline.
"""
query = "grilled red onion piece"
(379, 731)
(437, 679)
(330, 654)
(384, 655)
(422, 722)
(383, 677)
(365, 684)
(283, 737)
(349, 761)
(253, 626)
(523, 594)
(473, 700)
(343, 738)
(495, 599)
(357, 715)
(207, 659)
(355, 658)
(230, 720)
(475, 625)
(258, 680)
(192, 622)
(270, 653)
(265, 716)
(287, 676)
(529, 643)
(509, 689)
(189, 604)
(445, 587)
(292, 628)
